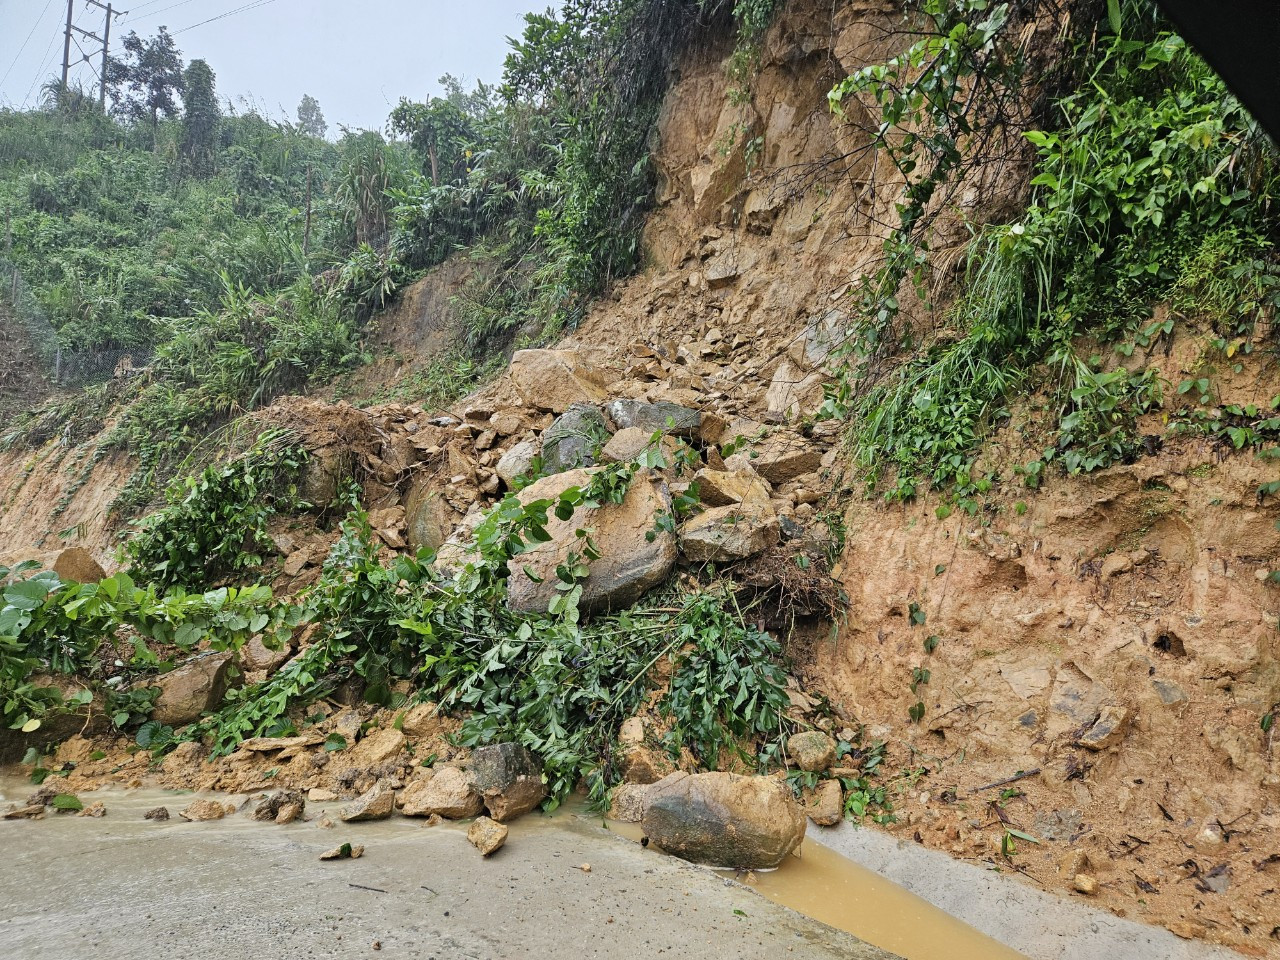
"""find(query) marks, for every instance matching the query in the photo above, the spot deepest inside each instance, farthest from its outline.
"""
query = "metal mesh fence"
(61, 366)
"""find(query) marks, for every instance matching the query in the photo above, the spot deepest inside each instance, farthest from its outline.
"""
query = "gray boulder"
(574, 439)
(630, 564)
(724, 820)
(663, 416)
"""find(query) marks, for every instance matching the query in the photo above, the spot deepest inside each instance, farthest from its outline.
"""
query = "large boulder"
(509, 779)
(77, 564)
(574, 439)
(192, 688)
(556, 379)
(447, 792)
(629, 565)
(724, 820)
(660, 417)
(726, 534)
(374, 804)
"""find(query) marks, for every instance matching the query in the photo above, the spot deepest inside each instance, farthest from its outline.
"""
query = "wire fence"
(62, 367)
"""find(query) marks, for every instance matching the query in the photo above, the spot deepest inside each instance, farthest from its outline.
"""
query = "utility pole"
(105, 40)
(66, 51)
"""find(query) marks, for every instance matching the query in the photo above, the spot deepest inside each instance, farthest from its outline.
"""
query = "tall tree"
(310, 119)
(147, 81)
(199, 118)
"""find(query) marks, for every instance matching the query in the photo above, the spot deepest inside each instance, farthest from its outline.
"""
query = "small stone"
(1083, 883)
(811, 750)
(487, 835)
(584, 867)
(320, 795)
(826, 809)
(157, 813)
(345, 852)
(95, 809)
(1106, 731)
(1075, 862)
(632, 731)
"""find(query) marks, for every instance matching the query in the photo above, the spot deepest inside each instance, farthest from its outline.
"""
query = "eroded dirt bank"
(1105, 646)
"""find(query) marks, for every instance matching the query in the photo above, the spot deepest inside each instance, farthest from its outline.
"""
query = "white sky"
(356, 58)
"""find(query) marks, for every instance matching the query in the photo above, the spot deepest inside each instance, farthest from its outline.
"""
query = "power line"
(44, 65)
(223, 16)
(25, 42)
(156, 13)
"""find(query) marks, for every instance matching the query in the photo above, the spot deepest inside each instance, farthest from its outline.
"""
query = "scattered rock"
(1188, 929)
(724, 488)
(1169, 693)
(1075, 862)
(629, 564)
(574, 440)
(256, 655)
(826, 809)
(487, 835)
(650, 418)
(1106, 731)
(556, 379)
(77, 564)
(192, 688)
(282, 807)
(374, 804)
(159, 814)
(812, 750)
(347, 851)
(95, 809)
(632, 731)
(630, 442)
(781, 458)
(449, 792)
(1083, 883)
(203, 810)
(321, 795)
(723, 820)
(726, 534)
(428, 519)
(420, 721)
(517, 461)
(641, 764)
(32, 811)
(509, 779)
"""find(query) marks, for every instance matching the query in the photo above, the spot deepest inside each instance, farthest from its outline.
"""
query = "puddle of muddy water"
(840, 893)
(820, 884)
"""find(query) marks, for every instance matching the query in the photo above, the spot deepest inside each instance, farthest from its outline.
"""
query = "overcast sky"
(357, 57)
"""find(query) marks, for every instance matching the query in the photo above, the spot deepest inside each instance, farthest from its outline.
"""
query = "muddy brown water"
(840, 893)
(820, 884)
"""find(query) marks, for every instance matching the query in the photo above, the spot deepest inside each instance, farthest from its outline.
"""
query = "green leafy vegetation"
(50, 627)
(1150, 183)
(216, 523)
